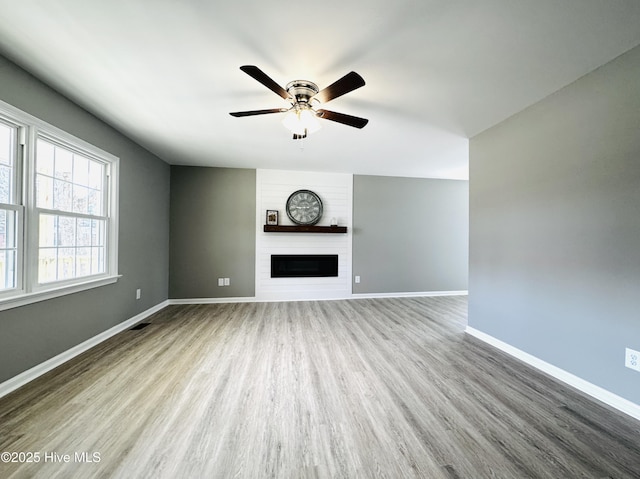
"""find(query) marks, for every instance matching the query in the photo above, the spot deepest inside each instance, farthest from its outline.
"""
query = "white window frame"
(16, 205)
(28, 290)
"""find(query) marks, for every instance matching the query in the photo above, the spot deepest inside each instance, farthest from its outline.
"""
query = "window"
(9, 208)
(58, 211)
(71, 215)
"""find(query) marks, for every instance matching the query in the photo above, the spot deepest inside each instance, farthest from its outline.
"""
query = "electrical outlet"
(220, 281)
(227, 281)
(357, 279)
(138, 293)
(632, 359)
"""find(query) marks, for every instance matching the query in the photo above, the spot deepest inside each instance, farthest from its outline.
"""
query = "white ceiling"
(166, 72)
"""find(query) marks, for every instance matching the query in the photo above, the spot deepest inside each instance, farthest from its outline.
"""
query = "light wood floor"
(384, 388)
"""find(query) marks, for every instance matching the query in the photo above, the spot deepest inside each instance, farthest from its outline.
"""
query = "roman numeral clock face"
(304, 207)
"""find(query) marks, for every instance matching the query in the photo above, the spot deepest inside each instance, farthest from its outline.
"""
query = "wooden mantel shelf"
(304, 229)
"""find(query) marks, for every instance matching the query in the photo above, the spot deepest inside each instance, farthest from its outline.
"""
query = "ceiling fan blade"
(257, 112)
(351, 81)
(353, 121)
(257, 74)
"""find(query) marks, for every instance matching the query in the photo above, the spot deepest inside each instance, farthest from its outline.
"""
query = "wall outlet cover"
(632, 359)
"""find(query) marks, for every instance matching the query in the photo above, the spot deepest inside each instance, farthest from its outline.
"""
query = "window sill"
(36, 296)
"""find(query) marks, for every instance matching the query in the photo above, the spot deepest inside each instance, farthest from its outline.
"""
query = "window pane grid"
(70, 247)
(68, 181)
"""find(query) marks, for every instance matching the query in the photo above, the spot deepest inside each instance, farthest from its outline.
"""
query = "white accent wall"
(273, 187)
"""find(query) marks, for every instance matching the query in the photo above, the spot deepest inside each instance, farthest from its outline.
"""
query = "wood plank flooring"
(371, 388)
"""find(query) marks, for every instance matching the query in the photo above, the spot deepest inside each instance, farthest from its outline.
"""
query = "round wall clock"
(304, 207)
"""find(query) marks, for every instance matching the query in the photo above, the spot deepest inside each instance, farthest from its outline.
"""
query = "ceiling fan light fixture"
(305, 98)
(301, 120)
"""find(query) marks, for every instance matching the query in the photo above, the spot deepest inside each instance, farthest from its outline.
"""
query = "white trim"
(22, 299)
(248, 299)
(254, 299)
(42, 368)
(410, 294)
(607, 397)
(113, 212)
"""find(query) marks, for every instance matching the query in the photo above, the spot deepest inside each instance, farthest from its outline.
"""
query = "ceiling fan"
(302, 117)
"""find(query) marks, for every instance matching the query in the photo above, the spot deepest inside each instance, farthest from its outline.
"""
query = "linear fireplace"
(304, 265)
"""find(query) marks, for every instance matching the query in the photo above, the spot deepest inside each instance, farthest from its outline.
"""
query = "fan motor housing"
(302, 90)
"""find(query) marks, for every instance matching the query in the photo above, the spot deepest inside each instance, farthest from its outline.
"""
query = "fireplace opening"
(304, 265)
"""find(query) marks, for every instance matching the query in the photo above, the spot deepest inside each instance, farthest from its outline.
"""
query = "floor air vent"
(139, 326)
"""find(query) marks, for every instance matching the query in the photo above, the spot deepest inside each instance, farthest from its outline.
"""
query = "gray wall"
(213, 222)
(32, 334)
(409, 234)
(555, 227)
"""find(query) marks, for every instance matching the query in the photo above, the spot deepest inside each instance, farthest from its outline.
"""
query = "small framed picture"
(272, 217)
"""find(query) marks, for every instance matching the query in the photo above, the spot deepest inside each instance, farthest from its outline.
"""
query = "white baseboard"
(42, 368)
(253, 299)
(247, 299)
(409, 295)
(621, 404)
